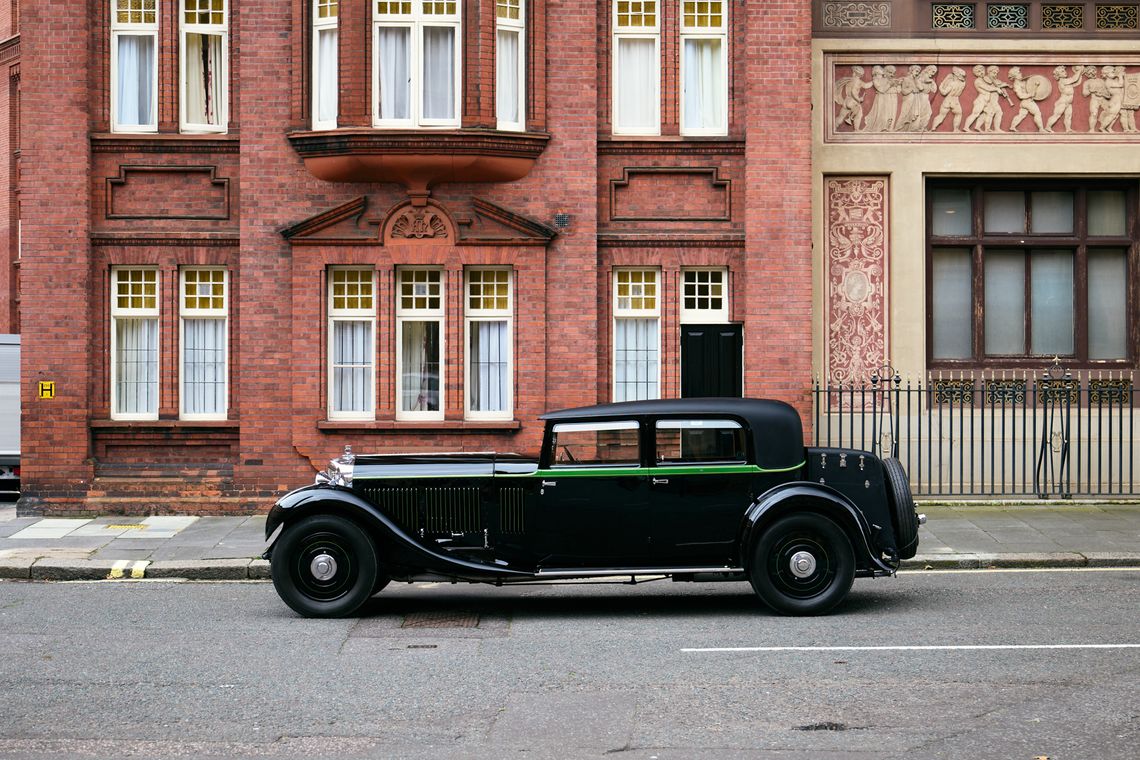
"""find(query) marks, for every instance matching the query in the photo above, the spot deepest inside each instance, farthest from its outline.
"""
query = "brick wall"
(95, 200)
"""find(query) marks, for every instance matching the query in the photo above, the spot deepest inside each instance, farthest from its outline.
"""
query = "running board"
(626, 571)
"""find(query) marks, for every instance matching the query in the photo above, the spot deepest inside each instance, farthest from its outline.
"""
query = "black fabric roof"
(776, 427)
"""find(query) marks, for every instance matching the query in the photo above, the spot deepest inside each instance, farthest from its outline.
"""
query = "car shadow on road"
(520, 603)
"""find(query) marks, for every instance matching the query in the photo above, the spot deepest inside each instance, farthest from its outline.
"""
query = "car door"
(700, 485)
(593, 498)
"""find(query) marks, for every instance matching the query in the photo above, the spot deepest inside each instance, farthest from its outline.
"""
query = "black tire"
(820, 583)
(303, 553)
(904, 516)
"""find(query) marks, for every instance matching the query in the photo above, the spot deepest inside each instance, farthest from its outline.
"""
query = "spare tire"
(904, 517)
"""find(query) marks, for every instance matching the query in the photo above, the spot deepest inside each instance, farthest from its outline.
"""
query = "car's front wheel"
(802, 565)
(324, 566)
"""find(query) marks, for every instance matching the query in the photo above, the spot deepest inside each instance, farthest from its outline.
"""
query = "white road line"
(917, 648)
(992, 570)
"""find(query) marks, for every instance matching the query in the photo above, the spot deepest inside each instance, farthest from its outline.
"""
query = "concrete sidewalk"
(1054, 534)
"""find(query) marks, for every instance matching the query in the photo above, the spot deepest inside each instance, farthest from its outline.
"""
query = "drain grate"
(447, 619)
(825, 726)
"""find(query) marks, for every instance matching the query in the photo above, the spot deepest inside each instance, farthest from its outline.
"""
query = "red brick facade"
(245, 201)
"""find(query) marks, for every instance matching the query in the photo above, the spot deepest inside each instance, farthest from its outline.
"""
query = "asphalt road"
(157, 669)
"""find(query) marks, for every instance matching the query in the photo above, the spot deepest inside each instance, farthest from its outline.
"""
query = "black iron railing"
(1050, 434)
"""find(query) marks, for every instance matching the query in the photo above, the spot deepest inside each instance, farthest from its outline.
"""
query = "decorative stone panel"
(857, 15)
(856, 255)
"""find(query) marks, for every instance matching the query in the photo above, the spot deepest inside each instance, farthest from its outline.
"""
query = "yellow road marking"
(138, 570)
(118, 568)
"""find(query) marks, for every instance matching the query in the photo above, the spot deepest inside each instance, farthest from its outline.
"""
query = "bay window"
(1024, 272)
(134, 343)
(204, 48)
(637, 328)
(416, 63)
(419, 344)
(489, 321)
(326, 83)
(134, 72)
(510, 70)
(636, 67)
(704, 67)
(203, 306)
(352, 330)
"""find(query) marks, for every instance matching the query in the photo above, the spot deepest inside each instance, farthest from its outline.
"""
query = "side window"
(696, 441)
(596, 443)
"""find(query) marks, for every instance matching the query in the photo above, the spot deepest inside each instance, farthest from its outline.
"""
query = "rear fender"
(810, 497)
(389, 538)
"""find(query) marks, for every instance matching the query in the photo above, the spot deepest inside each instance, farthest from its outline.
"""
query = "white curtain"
(1108, 304)
(136, 366)
(135, 61)
(395, 75)
(205, 80)
(507, 77)
(439, 72)
(635, 359)
(489, 366)
(636, 95)
(704, 88)
(419, 367)
(204, 366)
(352, 366)
(327, 75)
(1051, 308)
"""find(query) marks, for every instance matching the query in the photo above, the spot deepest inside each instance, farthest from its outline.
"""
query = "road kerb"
(201, 569)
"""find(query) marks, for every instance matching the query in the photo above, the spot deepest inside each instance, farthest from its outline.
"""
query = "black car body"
(692, 489)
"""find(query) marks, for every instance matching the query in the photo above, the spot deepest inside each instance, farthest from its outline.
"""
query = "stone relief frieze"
(897, 100)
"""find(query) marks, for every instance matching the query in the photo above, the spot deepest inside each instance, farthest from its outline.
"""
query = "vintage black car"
(692, 489)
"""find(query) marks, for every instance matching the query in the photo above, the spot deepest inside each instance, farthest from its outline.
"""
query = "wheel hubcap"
(802, 564)
(323, 567)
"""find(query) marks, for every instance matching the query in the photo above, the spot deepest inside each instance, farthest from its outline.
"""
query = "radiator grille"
(511, 511)
(451, 510)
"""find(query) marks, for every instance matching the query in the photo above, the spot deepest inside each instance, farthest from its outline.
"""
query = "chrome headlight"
(339, 472)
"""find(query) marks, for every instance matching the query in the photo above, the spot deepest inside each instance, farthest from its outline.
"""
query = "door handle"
(661, 481)
(548, 483)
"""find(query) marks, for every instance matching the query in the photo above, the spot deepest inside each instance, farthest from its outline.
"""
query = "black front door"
(711, 360)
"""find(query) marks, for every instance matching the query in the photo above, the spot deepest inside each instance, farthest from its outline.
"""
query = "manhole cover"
(441, 620)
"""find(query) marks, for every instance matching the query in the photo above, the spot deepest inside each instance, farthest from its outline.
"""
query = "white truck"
(9, 417)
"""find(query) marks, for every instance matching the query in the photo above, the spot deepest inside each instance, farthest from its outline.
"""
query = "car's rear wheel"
(904, 516)
(802, 565)
(324, 566)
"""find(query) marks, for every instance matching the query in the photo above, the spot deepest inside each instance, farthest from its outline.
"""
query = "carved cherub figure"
(885, 107)
(1096, 91)
(849, 94)
(1026, 99)
(980, 100)
(910, 95)
(951, 89)
(1114, 84)
(1066, 88)
(1127, 110)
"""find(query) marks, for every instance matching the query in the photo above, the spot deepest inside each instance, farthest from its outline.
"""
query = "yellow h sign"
(47, 390)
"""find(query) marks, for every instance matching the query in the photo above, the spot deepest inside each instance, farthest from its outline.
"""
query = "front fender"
(328, 499)
(809, 497)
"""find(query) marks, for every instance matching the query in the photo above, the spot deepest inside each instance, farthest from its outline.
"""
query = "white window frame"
(437, 315)
(415, 22)
(327, 24)
(185, 314)
(628, 313)
(475, 315)
(345, 314)
(703, 33)
(223, 106)
(699, 315)
(647, 33)
(127, 29)
(117, 313)
(517, 27)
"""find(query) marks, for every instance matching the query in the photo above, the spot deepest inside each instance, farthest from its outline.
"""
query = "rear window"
(596, 443)
(696, 441)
